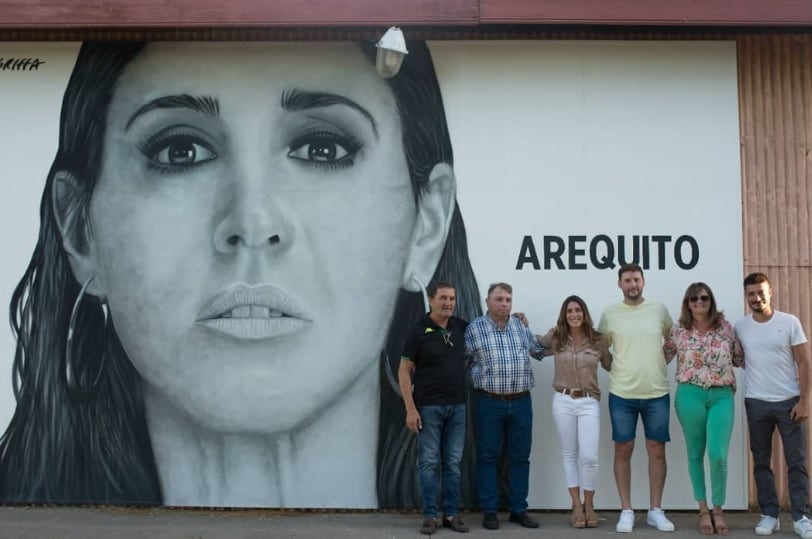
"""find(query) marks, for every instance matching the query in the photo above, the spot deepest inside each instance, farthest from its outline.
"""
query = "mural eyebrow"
(203, 104)
(293, 100)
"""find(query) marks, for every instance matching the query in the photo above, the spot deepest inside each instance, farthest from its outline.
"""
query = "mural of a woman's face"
(251, 224)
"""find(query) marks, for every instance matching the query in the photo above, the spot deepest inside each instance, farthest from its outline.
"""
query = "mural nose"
(253, 228)
(235, 240)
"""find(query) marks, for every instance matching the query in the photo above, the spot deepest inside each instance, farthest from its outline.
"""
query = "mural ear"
(435, 208)
(66, 198)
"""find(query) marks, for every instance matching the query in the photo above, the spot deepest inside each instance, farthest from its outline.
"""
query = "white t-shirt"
(770, 372)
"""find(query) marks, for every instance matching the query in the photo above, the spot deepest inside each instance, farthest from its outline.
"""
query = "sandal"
(591, 516)
(719, 523)
(577, 518)
(705, 523)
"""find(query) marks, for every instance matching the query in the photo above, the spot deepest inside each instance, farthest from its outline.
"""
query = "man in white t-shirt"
(776, 395)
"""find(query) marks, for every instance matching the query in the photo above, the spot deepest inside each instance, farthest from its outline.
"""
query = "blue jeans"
(763, 418)
(439, 445)
(512, 421)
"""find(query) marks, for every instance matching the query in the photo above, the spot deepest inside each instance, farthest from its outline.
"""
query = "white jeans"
(578, 422)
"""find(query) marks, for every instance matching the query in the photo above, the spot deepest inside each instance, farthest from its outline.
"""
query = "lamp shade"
(391, 51)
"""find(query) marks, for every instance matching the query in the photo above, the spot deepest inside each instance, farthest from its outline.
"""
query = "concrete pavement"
(36, 522)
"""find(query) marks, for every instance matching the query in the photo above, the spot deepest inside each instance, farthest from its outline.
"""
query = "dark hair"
(427, 142)
(504, 286)
(562, 329)
(686, 319)
(61, 447)
(625, 268)
(437, 285)
(756, 278)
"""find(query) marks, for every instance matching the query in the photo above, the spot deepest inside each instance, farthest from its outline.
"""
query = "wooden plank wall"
(775, 115)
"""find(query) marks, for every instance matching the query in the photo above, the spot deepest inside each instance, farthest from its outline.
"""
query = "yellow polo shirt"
(635, 334)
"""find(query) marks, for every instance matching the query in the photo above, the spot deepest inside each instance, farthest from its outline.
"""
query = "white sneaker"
(767, 525)
(803, 527)
(625, 524)
(656, 518)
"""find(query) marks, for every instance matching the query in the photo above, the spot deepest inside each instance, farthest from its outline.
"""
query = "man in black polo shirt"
(435, 356)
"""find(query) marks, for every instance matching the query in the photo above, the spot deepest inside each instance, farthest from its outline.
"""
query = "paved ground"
(21, 522)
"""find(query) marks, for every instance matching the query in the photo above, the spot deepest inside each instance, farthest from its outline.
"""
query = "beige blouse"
(577, 368)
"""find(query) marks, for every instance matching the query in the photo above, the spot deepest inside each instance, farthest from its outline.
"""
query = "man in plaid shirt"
(501, 346)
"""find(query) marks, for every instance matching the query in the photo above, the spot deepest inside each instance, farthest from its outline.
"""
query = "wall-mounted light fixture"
(391, 51)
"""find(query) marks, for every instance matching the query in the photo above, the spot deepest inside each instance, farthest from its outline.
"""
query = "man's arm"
(801, 410)
(405, 370)
(603, 329)
(535, 348)
(670, 346)
(546, 341)
(470, 344)
(604, 356)
(667, 323)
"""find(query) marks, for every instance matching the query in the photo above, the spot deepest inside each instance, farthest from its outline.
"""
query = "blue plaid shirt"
(501, 358)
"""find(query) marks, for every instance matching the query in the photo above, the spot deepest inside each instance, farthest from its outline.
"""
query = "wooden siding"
(775, 115)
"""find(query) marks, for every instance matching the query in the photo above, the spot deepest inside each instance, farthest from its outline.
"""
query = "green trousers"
(706, 416)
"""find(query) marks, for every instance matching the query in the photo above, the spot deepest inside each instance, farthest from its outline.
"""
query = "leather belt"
(576, 393)
(503, 396)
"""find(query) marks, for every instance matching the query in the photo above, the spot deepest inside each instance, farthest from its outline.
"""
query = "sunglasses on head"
(694, 299)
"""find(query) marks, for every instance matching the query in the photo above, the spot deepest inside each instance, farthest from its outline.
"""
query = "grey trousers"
(762, 419)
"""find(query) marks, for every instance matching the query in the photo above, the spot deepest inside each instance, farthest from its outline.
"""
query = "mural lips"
(254, 313)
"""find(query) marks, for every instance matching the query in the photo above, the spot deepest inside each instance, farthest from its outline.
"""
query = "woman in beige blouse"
(578, 348)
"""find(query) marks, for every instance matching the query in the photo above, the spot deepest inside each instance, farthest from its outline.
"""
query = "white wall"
(587, 138)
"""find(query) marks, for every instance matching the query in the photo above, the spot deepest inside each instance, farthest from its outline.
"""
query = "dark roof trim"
(62, 14)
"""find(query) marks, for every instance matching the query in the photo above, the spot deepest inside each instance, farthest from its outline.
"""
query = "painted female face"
(251, 224)
(575, 315)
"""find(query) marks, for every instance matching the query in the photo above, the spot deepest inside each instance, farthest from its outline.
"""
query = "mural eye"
(324, 148)
(178, 148)
(182, 151)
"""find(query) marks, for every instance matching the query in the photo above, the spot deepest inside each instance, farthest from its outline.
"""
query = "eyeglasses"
(694, 299)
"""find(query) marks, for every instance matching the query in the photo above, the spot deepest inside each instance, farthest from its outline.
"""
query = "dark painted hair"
(427, 142)
(60, 447)
(64, 447)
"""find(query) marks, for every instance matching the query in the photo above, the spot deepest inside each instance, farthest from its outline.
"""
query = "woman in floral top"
(707, 350)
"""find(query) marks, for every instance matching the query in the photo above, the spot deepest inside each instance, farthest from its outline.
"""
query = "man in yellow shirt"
(635, 329)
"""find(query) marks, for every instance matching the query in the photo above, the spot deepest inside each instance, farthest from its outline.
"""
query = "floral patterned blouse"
(705, 360)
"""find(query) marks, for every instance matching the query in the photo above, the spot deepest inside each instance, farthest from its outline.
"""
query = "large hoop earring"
(423, 293)
(74, 386)
(390, 376)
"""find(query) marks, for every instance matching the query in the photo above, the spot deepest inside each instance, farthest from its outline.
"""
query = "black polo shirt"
(439, 361)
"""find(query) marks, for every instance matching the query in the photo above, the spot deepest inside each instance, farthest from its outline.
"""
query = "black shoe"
(455, 523)
(524, 520)
(429, 526)
(490, 521)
